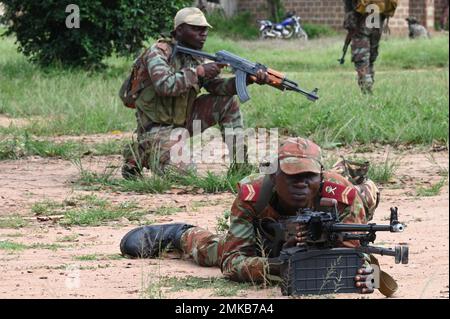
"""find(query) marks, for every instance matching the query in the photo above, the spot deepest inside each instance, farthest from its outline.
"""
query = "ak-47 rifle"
(242, 67)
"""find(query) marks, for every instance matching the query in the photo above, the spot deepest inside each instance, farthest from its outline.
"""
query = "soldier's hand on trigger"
(364, 280)
(302, 233)
(209, 70)
(298, 238)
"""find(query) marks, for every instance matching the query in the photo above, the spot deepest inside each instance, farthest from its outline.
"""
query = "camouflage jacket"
(240, 259)
(175, 85)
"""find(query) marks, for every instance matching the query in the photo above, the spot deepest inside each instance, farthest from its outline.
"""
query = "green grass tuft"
(14, 221)
(384, 172)
(433, 190)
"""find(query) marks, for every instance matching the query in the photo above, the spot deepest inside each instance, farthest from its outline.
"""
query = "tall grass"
(407, 107)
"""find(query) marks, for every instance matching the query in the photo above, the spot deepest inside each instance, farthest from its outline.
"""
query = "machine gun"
(322, 265)
(242, 67)
(325, 231)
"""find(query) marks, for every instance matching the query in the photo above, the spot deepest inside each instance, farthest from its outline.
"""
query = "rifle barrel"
(292, 86)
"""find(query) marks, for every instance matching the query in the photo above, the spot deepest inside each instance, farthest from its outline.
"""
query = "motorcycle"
(290, 27)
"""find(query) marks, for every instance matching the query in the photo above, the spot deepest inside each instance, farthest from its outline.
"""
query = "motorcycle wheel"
(302, 35)
(290, 30)
(264, 35)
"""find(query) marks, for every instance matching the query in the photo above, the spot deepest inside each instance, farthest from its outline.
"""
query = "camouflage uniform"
(237, 253)
(365, 43)
(170, 101)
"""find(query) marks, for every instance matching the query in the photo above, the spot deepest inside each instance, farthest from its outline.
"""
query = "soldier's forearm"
(173, 84)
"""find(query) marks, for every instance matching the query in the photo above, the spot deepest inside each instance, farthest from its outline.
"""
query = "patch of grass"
(223, 222)
(18, 146)
(167, 210)
(384, 172)
(367, 119)
(97, 257)
(14, 235)
(89, 210)
(87, 257)
(46, 207)
(53, 247)
(155, 184)
(110, 147)
(14, 221)
(318, 30)
(114, 257)
(68, 238)
(97, 216)
(433, 190)
(9, 245)
(21, 146)
(221, 286)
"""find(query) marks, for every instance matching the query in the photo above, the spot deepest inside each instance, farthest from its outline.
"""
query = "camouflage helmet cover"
(300, 155)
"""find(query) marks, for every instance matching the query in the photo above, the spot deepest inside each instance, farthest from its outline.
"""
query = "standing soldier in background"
(365, 36)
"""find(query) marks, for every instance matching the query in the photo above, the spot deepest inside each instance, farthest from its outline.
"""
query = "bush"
(105, 27)
(318, 30)
(241, 25)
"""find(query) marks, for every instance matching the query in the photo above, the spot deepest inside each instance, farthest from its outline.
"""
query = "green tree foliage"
(106, 26)
(276, 9)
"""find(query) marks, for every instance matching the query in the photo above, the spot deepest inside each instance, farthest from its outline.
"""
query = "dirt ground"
(39, 272)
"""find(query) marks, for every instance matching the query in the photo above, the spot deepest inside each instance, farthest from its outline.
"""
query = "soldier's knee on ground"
(202, 246)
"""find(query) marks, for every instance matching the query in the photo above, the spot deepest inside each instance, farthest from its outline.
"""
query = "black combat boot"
(148, 241)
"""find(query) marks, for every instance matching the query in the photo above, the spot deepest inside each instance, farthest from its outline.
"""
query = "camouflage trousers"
(365, 43)
(153, 145)
(208, 250)
(204, 247)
